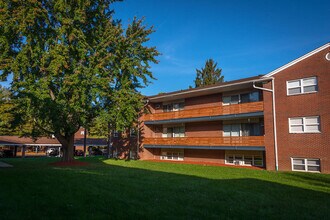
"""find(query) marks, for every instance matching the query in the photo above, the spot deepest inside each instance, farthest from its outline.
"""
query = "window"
(304, 124)
(132, 132)
(172, 107)
(301, 86)
(178, 131)
(241, 98)
(115, 133)
(303, 164)
(82, 132)
(172, 155)
(244, 129)
(246, 160)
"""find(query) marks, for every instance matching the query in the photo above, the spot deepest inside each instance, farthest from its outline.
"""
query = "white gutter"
(274, 116)
(208, 88)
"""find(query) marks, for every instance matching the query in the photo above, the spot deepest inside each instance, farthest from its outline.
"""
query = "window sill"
(316, 132)
(305, 93)
(305, 171)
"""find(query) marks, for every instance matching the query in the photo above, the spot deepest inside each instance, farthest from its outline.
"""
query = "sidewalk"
(4, 165)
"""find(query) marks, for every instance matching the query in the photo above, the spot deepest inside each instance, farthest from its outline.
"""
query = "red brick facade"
(290, 145)
(306, 145)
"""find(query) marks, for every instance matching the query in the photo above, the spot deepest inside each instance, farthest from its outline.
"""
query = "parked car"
(95, 151)
(79, 153)
(52, 152)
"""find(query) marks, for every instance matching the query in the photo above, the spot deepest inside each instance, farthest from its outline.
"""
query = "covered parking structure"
(24, 146)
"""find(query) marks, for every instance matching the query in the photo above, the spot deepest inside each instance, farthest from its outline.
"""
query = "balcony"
(210, 142)
(206, 112)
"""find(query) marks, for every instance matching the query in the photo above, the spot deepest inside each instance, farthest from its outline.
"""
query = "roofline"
(205, 89)
(296, 60)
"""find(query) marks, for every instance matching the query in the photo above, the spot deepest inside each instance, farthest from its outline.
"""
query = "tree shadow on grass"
(103, 191)
(310, 178)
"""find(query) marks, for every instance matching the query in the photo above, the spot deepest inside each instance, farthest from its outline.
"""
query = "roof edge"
(227, 84)
(296, 60)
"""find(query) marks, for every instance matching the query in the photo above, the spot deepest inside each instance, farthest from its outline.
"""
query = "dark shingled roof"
(209, 86)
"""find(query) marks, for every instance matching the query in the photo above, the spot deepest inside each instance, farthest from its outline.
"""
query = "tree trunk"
(85, 140)
(109, 141)
(68, 148)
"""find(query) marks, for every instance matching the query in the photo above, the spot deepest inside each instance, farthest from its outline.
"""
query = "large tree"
(72, 61)
(208, 75)
(6, 117)
(12, 118)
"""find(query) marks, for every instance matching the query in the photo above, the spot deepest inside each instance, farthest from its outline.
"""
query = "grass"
(117, 189)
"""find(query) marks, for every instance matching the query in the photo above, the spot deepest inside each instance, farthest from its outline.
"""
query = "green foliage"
(12, 119)
(208, 75)
(71, 61)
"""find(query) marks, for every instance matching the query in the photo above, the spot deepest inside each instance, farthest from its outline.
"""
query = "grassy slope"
(141, 189)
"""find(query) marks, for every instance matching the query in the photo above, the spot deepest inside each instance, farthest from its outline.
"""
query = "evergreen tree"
(208, 75)
(72, 61)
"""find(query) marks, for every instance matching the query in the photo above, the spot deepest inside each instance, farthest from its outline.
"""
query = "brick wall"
(314, 104)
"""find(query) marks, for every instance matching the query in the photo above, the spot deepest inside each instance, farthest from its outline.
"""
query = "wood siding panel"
(207, 141)
(209, 111)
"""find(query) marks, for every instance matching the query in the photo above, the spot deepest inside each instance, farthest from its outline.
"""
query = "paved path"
(4, 165)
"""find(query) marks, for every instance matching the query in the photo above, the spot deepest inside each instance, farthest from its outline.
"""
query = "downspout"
(274, 117)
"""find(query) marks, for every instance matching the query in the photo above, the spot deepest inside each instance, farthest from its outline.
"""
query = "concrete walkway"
(5, 165)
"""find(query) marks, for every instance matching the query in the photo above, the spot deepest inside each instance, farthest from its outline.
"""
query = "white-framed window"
(301, 86)
(177, 131)
(305, 164)
(241, 98)
(310, 124)
(244, 160)
(172, 155)
(82, 132)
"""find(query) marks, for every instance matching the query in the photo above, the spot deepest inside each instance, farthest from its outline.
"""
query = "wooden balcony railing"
(207, 141)
(210, 111)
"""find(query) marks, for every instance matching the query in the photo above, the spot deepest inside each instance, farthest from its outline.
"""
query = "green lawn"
(106, 189)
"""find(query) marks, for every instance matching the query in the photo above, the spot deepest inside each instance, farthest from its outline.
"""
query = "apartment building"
(278, 121)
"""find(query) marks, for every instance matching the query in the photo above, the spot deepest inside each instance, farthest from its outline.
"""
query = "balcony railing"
(209, 111)
(207, 141)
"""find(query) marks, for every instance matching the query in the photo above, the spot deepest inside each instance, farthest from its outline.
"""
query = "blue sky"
(246, 38)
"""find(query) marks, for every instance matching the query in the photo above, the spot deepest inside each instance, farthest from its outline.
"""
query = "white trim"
(304, 125)
(272, 90)
(297, 60)
(327, 56)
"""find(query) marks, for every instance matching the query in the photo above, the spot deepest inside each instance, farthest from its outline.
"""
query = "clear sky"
(246, 38)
